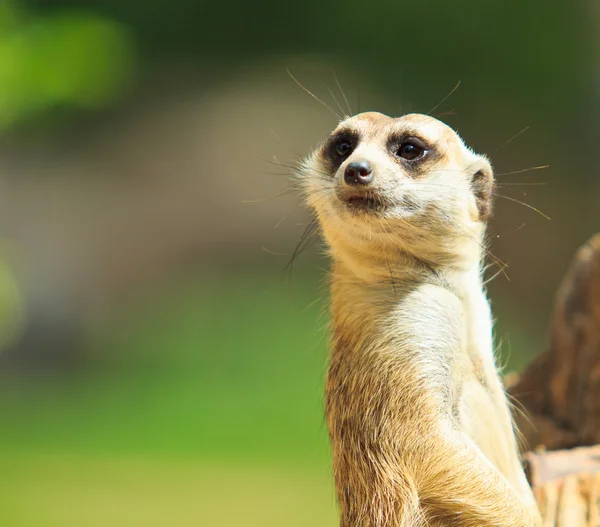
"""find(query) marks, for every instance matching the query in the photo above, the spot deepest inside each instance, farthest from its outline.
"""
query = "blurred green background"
(159, 366)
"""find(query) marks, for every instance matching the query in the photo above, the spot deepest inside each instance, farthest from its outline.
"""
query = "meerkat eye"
(343, 148)
(410, 151)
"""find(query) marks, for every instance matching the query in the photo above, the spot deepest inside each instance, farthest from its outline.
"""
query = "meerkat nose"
(358, 173)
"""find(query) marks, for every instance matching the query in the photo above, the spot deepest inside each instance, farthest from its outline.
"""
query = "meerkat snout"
(358, 173)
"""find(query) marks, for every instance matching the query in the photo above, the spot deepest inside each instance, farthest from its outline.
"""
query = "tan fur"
(419, 422)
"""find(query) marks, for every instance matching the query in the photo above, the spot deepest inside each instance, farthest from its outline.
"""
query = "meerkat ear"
(482, 184)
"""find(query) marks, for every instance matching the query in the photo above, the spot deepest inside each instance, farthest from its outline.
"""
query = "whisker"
(306, 240)
(510, 232)
(521, 184)
(313, 95)
(286, 174)
(343, 94)
(311, 304)
(321, 194)
(269, 251)
(513, 138)
(540, 167)
(487, 252)
(495, 275)
(297, 154)
(451, 112)
(502, 266)
(466, 169)
(342, 111)
(286, 215)
(388, 230)
(444, 99)
(524, 204)
(278, 164)
(297, 168)
(268, 198)
(520, 409)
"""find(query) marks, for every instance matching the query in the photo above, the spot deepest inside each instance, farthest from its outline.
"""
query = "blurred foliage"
(65, 52)
(11, 305)
(527, 53)
(61, 59)
(173, 377)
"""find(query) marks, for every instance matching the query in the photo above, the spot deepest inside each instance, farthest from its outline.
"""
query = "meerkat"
(419, 422)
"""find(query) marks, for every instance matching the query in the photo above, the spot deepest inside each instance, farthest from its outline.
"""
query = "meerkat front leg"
(460, 487)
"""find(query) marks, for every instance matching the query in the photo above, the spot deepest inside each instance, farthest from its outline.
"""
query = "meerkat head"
(383, 187)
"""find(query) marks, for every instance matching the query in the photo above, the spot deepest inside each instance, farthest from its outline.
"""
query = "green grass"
(203, 406)
(61, 491)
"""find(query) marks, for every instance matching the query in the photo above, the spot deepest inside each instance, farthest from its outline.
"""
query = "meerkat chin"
(419, 422)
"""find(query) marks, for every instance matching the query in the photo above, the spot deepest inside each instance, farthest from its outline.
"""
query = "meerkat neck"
(371, 301)
(461, 274)
(449, 258)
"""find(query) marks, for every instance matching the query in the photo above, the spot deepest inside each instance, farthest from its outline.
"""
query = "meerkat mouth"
(364, 203)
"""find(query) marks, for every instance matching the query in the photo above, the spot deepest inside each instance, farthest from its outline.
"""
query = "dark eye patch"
(410, 150)
(343, 148)
(339, 147)
(396, 142)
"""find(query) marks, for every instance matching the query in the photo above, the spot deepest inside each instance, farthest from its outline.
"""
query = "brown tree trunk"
(560, 393)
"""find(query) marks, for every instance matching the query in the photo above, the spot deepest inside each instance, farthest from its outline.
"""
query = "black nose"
(359, 173)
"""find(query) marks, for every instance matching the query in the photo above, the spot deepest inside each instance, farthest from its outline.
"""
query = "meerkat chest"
(481, 405)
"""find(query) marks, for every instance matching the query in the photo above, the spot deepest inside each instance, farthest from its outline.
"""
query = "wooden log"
(542, 467)
(566, 484)
(561, 388)
(560, 396)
